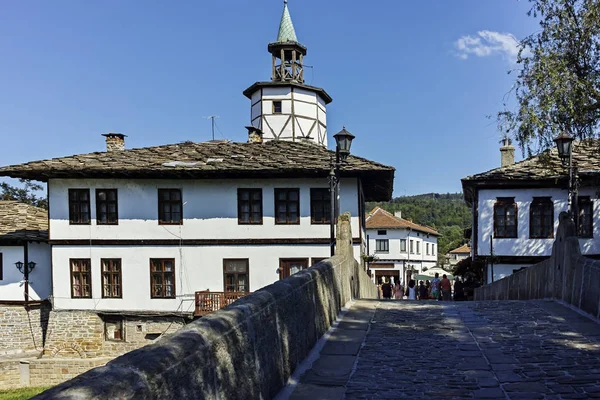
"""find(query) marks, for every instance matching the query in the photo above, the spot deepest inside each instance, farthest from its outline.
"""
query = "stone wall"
(78, 334)
(566, 275)
(52, 371)
(245, 351)
(9, 374)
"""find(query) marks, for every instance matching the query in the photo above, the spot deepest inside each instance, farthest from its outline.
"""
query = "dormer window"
(277, 107)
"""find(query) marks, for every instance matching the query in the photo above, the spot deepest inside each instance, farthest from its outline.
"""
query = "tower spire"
(286, 27)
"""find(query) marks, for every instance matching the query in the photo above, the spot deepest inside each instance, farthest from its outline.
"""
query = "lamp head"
(564, 145)
(343, 142)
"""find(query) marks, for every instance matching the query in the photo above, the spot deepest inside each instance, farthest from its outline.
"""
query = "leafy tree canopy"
(28, 193)
(558, 84)
(447, 213)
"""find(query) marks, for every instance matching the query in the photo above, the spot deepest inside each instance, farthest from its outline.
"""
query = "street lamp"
(343, 141)
(30, 267)
(564, 145)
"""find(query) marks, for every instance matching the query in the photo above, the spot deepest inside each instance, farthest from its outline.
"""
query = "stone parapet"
(245, 351)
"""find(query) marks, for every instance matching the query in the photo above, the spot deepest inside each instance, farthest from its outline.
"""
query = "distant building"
(455, 256)
(24, 239)
(399, 245)
(516, 207)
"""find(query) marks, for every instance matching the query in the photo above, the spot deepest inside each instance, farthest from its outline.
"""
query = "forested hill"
(447, 213)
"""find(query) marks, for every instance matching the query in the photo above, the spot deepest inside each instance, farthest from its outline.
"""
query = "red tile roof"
(462, 249)
(380, 219)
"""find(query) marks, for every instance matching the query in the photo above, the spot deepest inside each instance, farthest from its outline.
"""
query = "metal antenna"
(212, 119)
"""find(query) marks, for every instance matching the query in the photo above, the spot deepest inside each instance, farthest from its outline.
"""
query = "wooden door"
(290, 266)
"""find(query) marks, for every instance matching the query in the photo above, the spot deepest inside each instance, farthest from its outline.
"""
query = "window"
(111, 278)
(81, 278)
(250, 206)
(427, 248)
(418, 247)
(382, 232)
(432, 249)
(320, 206)
(403, 245)
(169, 207)
(1, 268)
(79, 206)
(162, 278)
(585, 207)
(106, 207)
(382, 245)
(113, 328)
(505, 218)
(411, 247)
(541, 218)
(277, 107)
(236, 275)
(287, 206)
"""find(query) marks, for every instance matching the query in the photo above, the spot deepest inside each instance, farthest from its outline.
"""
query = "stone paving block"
(344, 342)
(305, 391)
(489, 393)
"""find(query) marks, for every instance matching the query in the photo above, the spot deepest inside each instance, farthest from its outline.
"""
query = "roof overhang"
(377, 185)
(259, 85)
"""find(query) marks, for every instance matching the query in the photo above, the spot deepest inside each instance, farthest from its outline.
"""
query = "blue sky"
(413, 80)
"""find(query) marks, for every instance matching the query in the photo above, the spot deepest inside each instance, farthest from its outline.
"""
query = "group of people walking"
(437, 289)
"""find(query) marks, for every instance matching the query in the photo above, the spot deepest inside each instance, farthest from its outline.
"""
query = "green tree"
(28, 193)
(558, 83)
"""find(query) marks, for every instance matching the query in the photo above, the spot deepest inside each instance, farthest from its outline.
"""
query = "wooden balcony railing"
(207, 301)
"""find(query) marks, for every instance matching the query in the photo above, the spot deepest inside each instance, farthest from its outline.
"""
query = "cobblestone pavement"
(496, 350)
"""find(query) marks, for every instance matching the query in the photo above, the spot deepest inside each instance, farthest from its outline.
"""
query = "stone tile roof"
(462, 250)
(191, 160)
(546, 165)
(380, 219)
(20, 221)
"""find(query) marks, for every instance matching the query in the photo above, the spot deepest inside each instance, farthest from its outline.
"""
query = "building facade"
(457, 255)
(516, 208)
(399, 246)
(23, 239)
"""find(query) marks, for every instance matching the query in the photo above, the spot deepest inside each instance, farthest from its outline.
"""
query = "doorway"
(290, 266)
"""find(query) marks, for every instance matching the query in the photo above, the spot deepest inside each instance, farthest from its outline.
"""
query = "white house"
(23, 239)
(457, 255)
(144, 229)
(398, 246)
(516, 208)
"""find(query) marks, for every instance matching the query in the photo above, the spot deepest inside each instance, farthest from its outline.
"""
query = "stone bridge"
(322, 334)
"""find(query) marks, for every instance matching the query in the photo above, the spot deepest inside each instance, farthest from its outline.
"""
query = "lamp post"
(25, 268)
(343, 141)
(564, 145)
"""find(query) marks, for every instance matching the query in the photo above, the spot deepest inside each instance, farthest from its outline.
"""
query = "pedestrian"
(446, 287)
(386, 290)
(428, 286)
(398, 291)
(412, 295)
(458, 290)
(422, 291)
(435, 287)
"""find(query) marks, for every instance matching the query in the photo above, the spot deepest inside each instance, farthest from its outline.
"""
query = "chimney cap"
(114, 134)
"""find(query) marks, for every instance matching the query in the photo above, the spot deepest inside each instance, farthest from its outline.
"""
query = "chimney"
(114, 141)
(255, 135)
(398, 214)
(507, 153)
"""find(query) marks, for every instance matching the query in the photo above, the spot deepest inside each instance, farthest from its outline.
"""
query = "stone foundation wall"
(52, 371)
(566, 275)
(10, 377)
(79, 334)
(245, 351)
